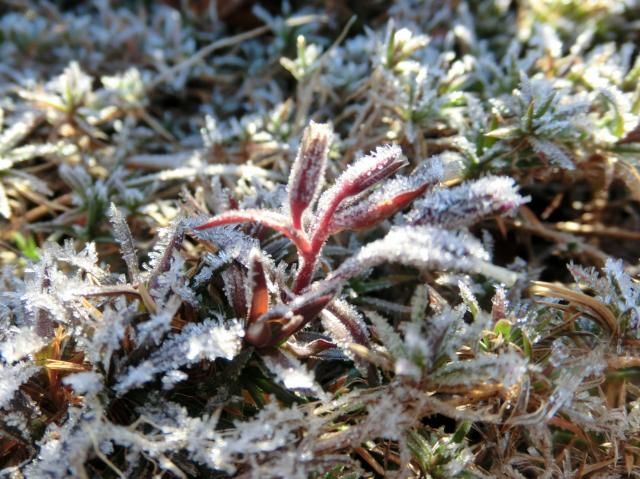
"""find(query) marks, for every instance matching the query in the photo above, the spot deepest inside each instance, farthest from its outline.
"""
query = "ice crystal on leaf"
(85, 383)
(18, 343)
(12, 376)
(194, 284)
(345, 206)
(207, 340)
(305, 181)
(466, 204)
(614, 288)
(545, 116)
(427, 247)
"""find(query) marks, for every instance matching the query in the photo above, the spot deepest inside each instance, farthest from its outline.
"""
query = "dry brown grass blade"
(369, 459)
(532, 225)
(623, 362)
(591, 306)
(597, 230)
(585, 471)
(59, 365)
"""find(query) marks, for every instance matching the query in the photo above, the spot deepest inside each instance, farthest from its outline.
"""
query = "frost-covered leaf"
(554, 153)
(467, 204)
(196, 342)
(362, 175)
(506, 368)
(308, 170)
(391, 197)
(85, 382)
(12, 377)
(18, 343)
(293, 374)
(122, 233)
(389, 337)
(424, 247)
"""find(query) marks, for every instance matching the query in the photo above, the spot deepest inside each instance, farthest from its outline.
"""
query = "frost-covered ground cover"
(319, 239)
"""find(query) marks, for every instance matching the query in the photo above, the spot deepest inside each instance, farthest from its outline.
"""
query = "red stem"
(309, 259)
(282, 226)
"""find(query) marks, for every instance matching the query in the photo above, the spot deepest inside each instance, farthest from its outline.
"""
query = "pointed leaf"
(257, 292)
(234, 290)
(468, 203)
(307, 172)
(391, 197)
(422, 247)
(123, 236)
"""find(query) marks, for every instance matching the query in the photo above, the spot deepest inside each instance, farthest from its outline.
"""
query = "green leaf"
(27, 246)
(503, 327)
(461, 432)
(504, 133)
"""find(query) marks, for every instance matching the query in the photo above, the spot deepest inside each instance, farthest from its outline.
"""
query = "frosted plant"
(398, 46)
(462, 205)
(310, 217)
(428, 349)
(207, 340)
(128, 88)
(617, 290)
(13, 152)
(306, 61)
(357, 340)
(70, 95)
(545, 117)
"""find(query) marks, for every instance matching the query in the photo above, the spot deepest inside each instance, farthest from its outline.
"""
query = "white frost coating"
(364, 173)
(87, 382)
(389, 419)
(371, 168)
(628, 293)
(347, 311)
(552, 152)
(293, 375)
(234, 244)
(85, 260)
(348, 216)
(571, 378)
(272, 429)
(468, 297)
(18, 343)
(159, 323)
(390, 339)
(170, 379)
(11, 378)
(174, 279)
(211, 340)
(507, 369)
(615, 289)
(308, 170)
(137, 376)
(122, 234)
(468, 203)
(633, 417)
(424, 247)
(197, 341)
(420, 344)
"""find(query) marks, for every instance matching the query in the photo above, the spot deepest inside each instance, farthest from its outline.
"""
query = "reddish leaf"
(307, 173)
(268, 218)
(373, 210)
(258, 294)
(234, 289)
(365, 173)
